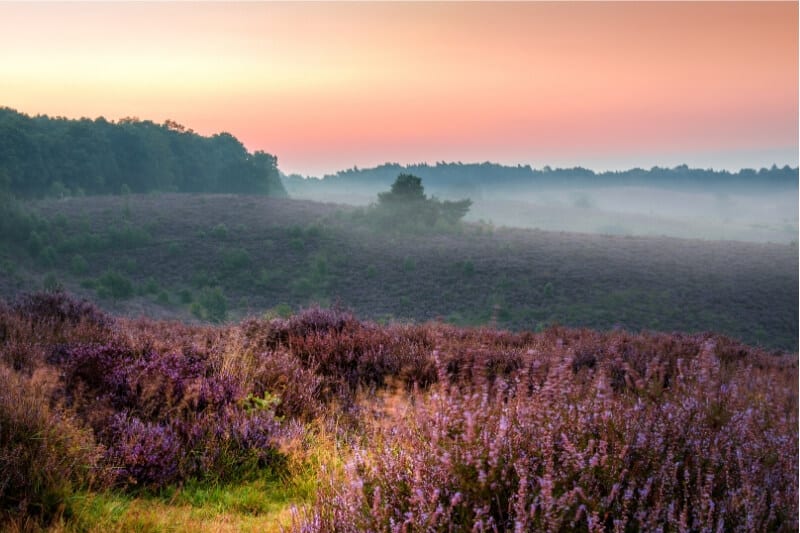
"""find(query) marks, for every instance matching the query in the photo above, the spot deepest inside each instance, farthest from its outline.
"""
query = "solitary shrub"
(406, 207)
(48, 256)
(235, 259)
(220, 231)
(114, 285)
(211, 305)
(78, 264)
(185, 296)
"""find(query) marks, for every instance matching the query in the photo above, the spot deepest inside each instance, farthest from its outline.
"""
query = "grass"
(263, 503)
(257, 505)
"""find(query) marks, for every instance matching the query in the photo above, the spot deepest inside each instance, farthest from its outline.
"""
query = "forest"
(55, 156)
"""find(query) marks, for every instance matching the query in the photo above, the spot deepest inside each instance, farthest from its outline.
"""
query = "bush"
(211, 305)
(47, 256)
(406, 208)
(220, 231)
(114, 285)
(235, 259)
(165, 417)
(78, 265)
(163, 297)
(185, 296)
(127, 236)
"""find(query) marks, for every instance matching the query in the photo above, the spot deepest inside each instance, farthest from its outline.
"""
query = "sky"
(328, 86)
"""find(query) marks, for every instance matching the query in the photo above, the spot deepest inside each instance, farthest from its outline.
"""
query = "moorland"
(213, 257)
(184, 348)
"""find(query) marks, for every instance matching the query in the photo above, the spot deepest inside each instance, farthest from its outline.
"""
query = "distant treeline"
(466, 179)
(55, 156)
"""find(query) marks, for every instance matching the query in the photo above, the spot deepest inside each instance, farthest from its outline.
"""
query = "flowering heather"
(699, 438)
(434, 427)
(164, 416)
(56, 308)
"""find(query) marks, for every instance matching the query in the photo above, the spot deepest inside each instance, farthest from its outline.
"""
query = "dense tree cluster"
(44, 156)
(406, 204)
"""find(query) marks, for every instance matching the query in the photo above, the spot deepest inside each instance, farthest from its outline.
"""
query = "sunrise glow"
(326, 86)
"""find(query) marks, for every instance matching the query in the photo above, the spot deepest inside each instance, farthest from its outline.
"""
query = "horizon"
(535, 168)
(326, 87)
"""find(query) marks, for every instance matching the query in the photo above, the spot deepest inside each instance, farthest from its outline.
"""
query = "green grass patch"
(260, 504)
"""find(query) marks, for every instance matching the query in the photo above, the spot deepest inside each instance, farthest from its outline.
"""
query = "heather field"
(399, 267)
(322, 422)
(217, 258)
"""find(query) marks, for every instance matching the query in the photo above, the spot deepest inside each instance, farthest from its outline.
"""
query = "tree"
(406, 188)
(406, 206)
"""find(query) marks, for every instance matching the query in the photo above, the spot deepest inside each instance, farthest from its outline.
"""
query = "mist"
(683, 203)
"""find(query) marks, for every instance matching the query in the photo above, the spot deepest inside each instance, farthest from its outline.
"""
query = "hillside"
(55, 156)
(218, 257)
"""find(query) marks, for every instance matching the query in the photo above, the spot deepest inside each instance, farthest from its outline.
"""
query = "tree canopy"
(44, 156)
(406, 188)
(406, 204)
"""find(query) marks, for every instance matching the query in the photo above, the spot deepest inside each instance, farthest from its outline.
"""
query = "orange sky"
(326, 86)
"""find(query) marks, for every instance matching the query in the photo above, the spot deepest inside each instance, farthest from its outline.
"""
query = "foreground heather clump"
(165, 416)
(398, 427)
(44, 452)
(686, 442)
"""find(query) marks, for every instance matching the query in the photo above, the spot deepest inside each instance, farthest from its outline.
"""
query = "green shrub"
(114, 285)
(17, 222)
(35, 244)
(128, 236)
(235, 259)
(130, 265)
(48, 256)
(548, 290)
(220, 231)
(282, 310)
(264, 279)
(150, 286)
(302, 286)
(211, 305)
(185, 296)
(406, 208)
(78, 265)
